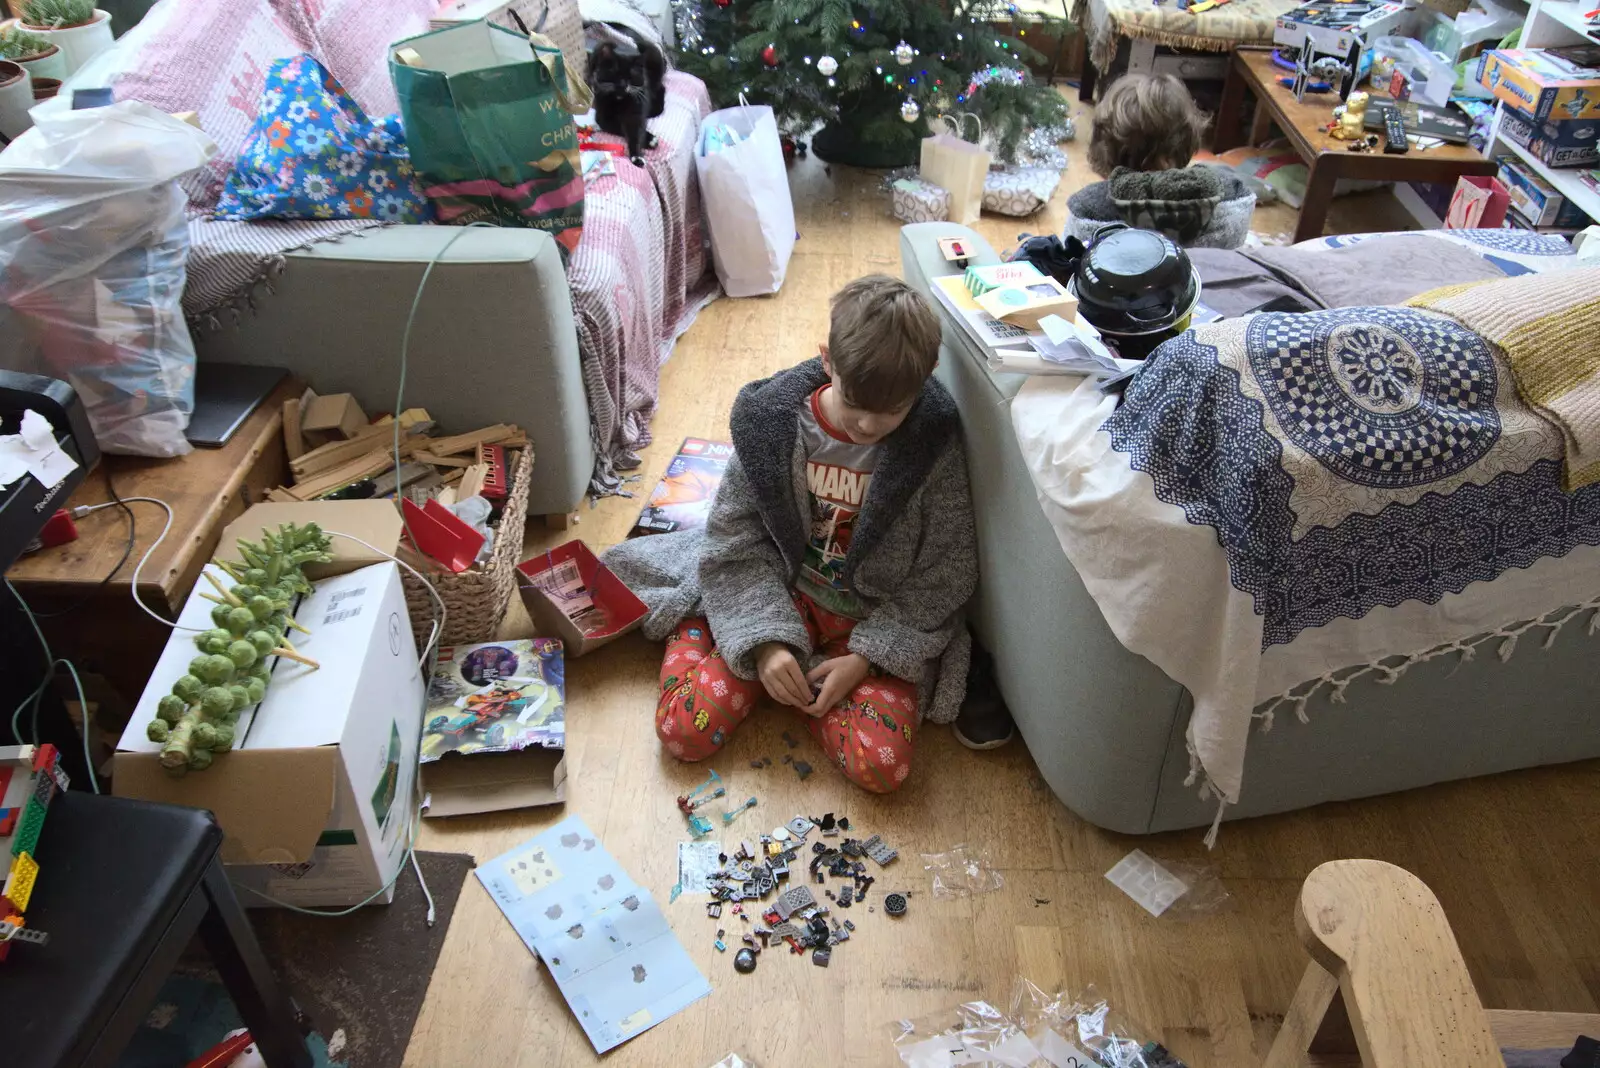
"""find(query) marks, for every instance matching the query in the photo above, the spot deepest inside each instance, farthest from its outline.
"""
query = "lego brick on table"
(20, 880)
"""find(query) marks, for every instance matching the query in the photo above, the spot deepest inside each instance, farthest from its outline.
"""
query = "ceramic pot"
(79, 43)
(16, 97)
(53, 64)
(45, 88)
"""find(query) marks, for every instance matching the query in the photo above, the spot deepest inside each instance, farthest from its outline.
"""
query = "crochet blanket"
(1549, 331)
(639, 277)
(1284, 503)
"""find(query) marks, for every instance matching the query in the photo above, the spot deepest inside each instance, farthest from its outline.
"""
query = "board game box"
(682, 499)
(495, 733)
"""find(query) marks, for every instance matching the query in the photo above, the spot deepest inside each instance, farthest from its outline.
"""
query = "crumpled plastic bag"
(961, 872)
(93, 242)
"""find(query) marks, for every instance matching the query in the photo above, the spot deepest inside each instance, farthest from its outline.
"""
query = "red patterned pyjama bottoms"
(869, 734)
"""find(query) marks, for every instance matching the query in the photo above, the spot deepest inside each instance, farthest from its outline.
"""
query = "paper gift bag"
(958, 167)
(1479, 202)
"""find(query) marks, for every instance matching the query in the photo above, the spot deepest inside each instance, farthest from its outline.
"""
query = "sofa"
(506, 332)
(1107, 727)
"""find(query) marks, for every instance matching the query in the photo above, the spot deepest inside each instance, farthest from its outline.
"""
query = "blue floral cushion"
(313, 154)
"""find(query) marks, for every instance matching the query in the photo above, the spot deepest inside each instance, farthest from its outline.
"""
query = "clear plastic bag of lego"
(735, 1060)
(93, 246)
(961, 872)
(1082, 1031)
(974, 1033)
(1038, 1030)
(1169, 887)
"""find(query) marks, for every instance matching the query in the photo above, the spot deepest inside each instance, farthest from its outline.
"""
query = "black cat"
(627, 75)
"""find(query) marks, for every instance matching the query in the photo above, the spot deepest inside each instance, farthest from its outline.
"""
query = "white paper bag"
(747, 205)
(959, 167)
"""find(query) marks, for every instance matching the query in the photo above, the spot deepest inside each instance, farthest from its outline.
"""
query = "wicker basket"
(475, 600)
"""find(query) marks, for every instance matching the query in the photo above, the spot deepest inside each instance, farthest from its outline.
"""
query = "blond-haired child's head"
(883, 343)
(1145, 122)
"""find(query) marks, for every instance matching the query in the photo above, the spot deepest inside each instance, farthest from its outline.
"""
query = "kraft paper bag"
(959, 167)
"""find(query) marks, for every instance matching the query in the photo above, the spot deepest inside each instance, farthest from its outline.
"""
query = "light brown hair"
(883, 342)
(1147, 122)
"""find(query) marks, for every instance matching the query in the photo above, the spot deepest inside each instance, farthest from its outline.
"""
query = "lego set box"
(495, 735)
(316, 800)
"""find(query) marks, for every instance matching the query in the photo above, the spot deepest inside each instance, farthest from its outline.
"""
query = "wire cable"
(138, 568)
(51, 660)
(127, 551)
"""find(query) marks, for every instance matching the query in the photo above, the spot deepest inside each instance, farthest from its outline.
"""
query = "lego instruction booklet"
(602, 936)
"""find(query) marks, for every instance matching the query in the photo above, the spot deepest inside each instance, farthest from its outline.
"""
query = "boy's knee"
(883, 771)
(683, 723)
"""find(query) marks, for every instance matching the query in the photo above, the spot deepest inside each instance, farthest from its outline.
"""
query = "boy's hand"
(780, 673)
(838, 677)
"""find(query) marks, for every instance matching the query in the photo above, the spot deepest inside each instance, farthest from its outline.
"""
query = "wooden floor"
(1513, 858)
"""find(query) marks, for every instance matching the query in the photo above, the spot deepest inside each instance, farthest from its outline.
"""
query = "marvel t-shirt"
(837, 473)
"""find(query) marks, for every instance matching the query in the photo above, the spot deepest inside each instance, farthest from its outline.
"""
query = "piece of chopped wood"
(472, 481)
(498, 434)
(452, 478)
(294, 443)
(362, 467)
(447, 496)
(331, 455)
(427, 456)
(281, 495)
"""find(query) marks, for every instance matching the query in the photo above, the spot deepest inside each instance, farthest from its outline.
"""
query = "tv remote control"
(1394, 132)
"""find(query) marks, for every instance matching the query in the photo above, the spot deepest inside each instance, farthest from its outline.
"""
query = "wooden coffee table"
(1327, 159)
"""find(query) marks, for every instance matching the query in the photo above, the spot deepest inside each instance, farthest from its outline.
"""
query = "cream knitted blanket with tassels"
(1548, 328)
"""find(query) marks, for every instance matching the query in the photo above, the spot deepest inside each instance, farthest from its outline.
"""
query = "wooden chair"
(1386, 986)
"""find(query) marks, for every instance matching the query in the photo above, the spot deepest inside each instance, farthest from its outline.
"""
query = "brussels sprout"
(189, 688)
(255, 689)
(219, 614)
(171, 708)
(256, 576)
(224, 740)
(240, 621)
(216, 702)
(200, 759)
(263, 640)
(241, 696)
(204, 736)
(156, 731)
(244, 591)
(261, 607)
(242, 653)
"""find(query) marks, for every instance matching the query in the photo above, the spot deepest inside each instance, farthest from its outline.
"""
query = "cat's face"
(612, 72)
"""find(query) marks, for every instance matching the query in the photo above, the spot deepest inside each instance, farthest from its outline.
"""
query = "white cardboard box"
(317, 801)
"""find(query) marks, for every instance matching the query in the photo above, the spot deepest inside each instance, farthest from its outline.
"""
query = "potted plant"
(32, 52)
(77, 27)
(16, 97)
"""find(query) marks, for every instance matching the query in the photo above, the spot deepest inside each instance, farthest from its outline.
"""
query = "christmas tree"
(873, 72)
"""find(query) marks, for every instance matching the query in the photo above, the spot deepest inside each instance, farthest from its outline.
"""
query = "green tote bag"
(488, 118)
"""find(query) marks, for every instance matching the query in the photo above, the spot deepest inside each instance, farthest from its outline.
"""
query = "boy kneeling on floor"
(838, 555)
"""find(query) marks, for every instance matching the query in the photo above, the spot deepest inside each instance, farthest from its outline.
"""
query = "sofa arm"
(494, 340)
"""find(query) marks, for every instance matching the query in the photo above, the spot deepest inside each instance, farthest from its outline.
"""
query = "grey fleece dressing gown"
(913, 557)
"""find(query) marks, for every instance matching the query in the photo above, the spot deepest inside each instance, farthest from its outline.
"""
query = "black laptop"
(224, 396)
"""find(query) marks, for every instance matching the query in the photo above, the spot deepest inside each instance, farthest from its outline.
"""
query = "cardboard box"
(318, 799)
(1547, 84)
(496, 728)
(335, 417)
(571, 595)
(1024, 305)
(1335, 27)
(375, 522)
(1568, 143)
(1536, 200)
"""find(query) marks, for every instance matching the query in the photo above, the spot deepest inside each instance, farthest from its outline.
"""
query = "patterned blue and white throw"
(1314, 496)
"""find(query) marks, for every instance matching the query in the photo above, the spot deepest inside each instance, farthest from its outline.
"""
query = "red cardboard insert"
(570, 594)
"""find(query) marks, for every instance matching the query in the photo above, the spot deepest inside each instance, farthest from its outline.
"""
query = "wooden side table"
(207, 490)
(1327, 159)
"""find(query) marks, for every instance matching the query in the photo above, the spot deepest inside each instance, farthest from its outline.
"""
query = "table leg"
(1226, 134)
(1260, 124)
(1320, 180)
(260, 998)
